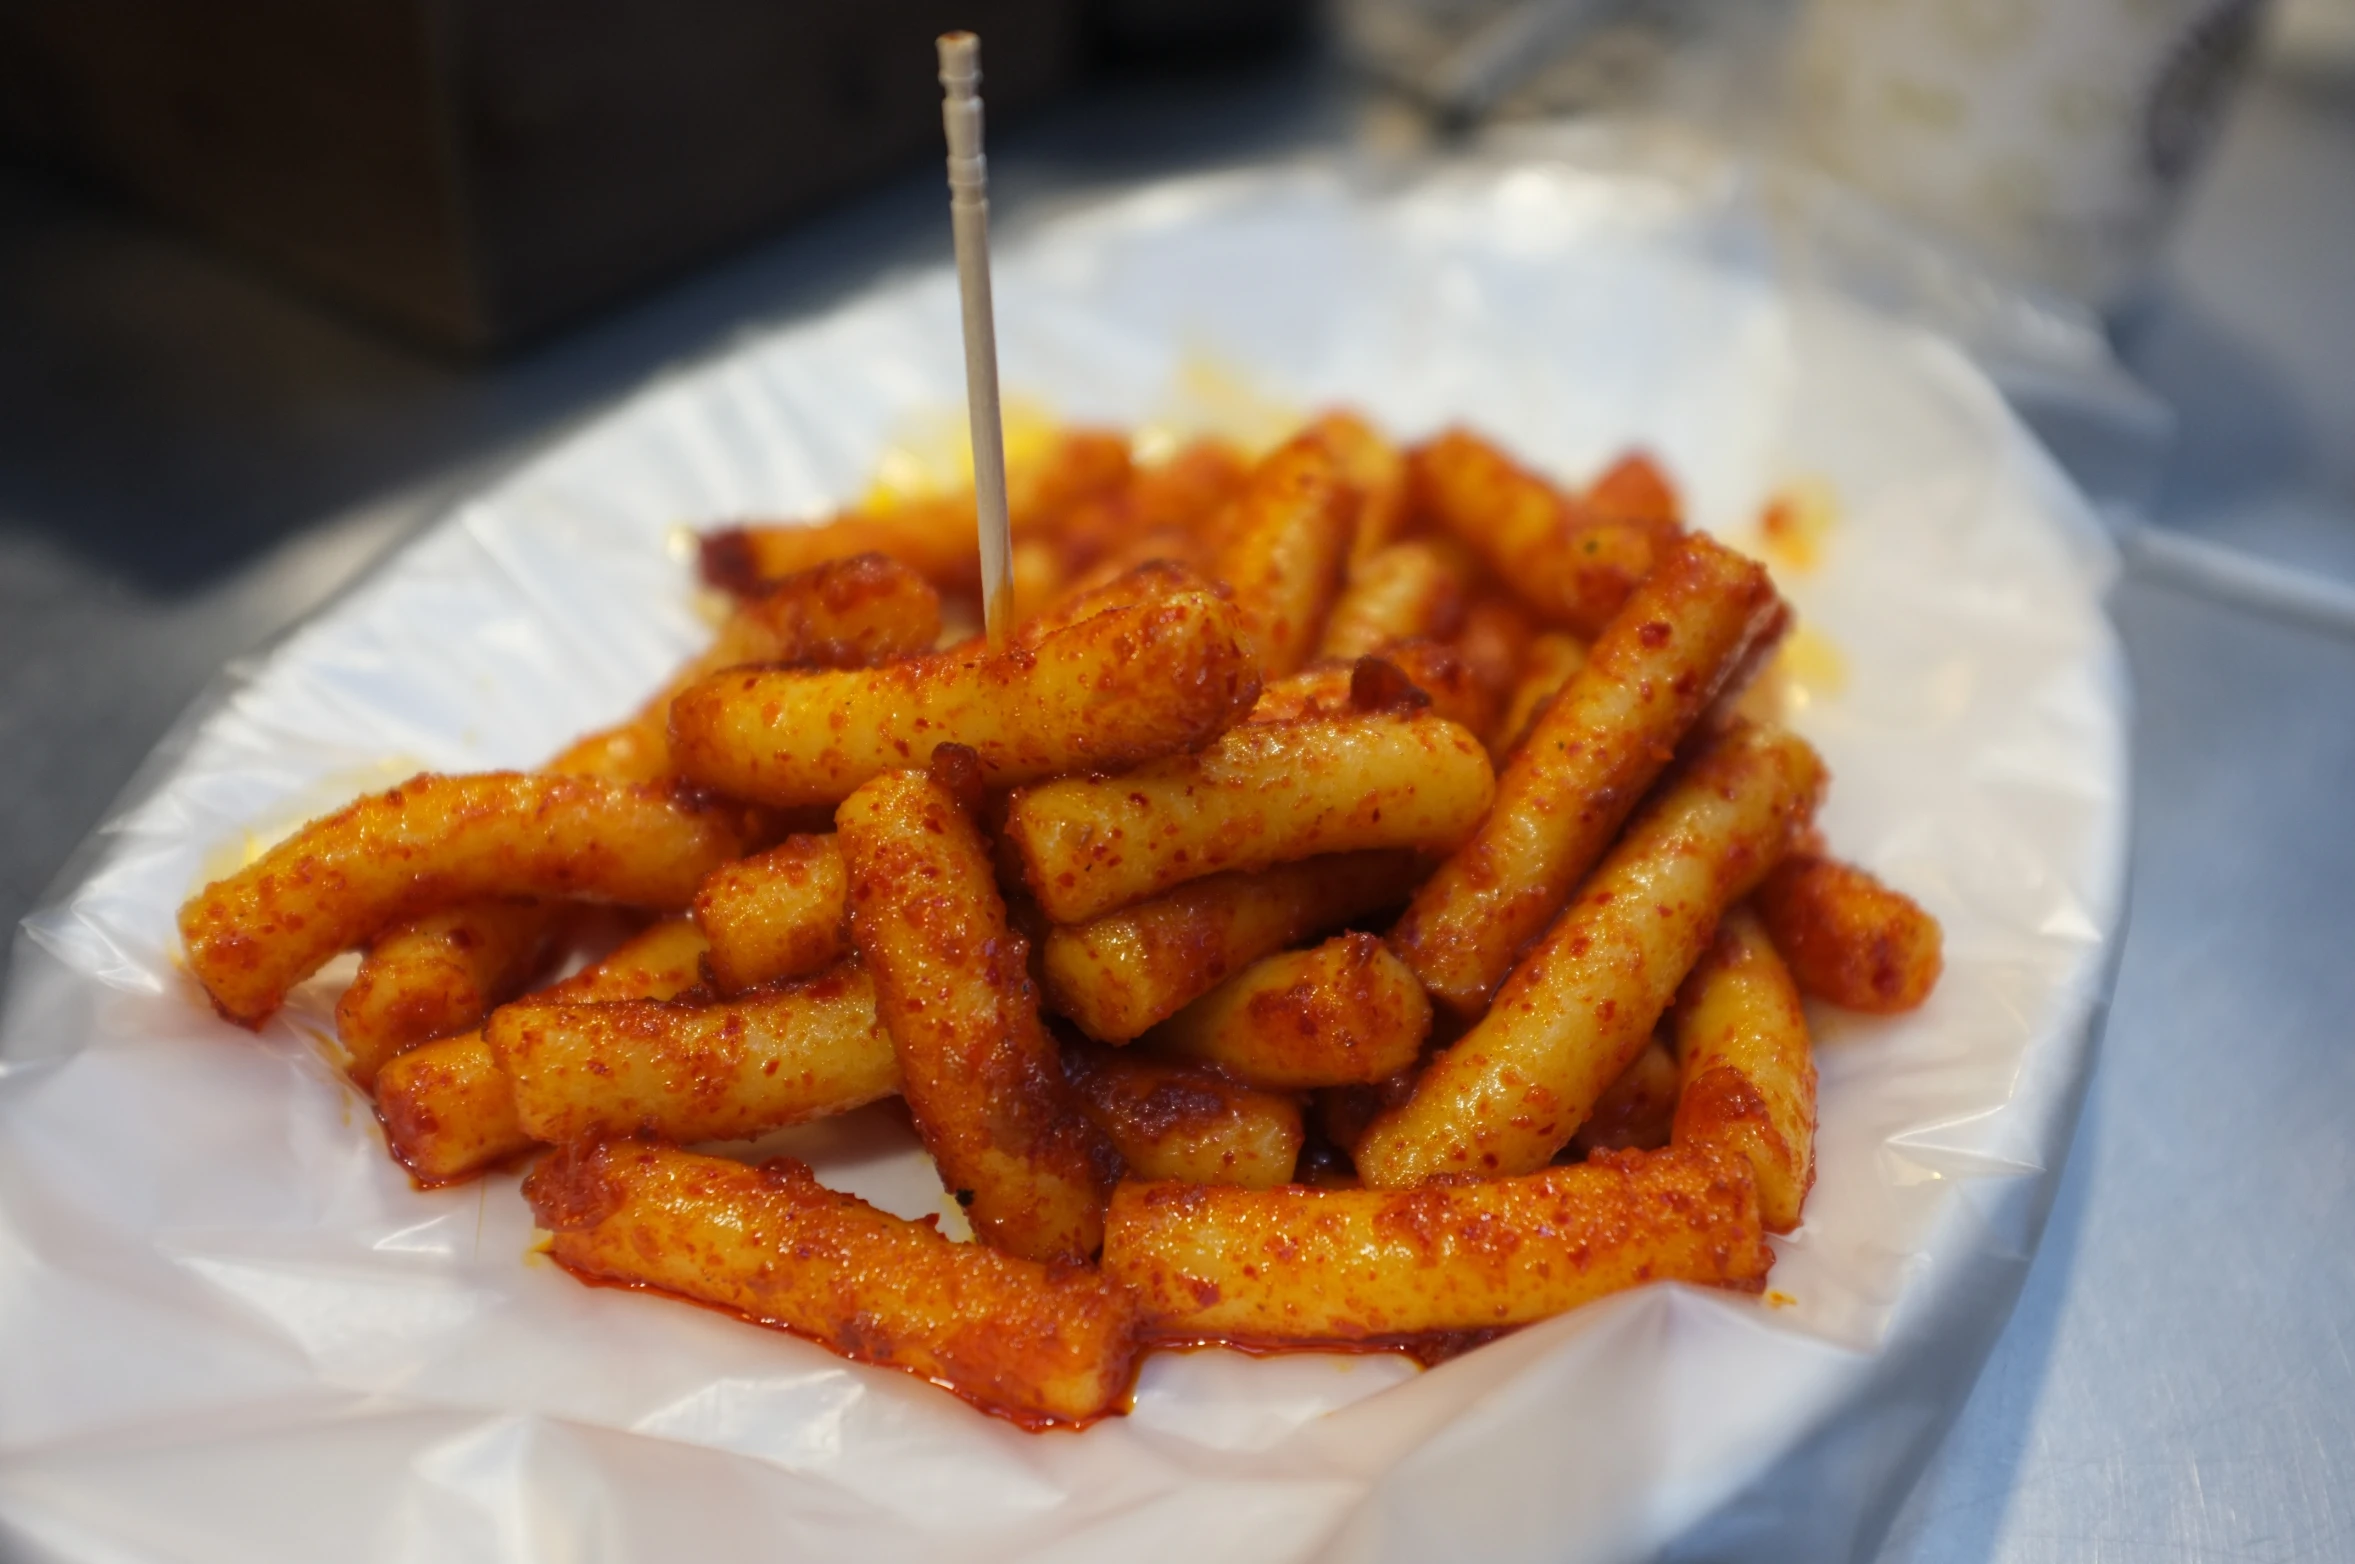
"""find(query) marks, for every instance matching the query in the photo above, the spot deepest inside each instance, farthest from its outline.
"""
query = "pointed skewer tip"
(960, 60)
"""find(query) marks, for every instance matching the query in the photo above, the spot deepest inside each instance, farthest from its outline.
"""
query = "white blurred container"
(2054, 137)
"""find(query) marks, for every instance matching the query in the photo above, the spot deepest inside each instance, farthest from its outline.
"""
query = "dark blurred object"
(1188, 32)
(1464, 57)
(477, 170)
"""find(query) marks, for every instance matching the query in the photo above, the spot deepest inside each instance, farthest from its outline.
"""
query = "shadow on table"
(167, 415)
(2240, 436)
(1954, 1513)
(1848, 1491)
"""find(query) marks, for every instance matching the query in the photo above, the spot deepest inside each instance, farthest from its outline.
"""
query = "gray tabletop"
(190, 460)
(2178, 1381)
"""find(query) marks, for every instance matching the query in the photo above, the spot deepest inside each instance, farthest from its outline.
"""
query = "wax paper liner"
(233, 1330)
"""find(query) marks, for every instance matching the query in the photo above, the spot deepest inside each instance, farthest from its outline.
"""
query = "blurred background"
(279, 280)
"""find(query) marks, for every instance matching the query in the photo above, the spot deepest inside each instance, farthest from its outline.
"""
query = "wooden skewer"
(960, 114)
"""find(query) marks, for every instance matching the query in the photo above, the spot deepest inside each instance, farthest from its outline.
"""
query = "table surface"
(190, 460)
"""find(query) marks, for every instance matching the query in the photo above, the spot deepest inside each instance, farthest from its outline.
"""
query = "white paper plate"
(233, 1331)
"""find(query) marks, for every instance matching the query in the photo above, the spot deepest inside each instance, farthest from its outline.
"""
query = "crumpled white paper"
(234, 1331)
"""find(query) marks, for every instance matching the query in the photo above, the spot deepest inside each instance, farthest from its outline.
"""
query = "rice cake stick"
(1745, 1069)
(1114, 690)
(1300, 1264)
(439, 840)
(449, 1110)
(1262, 794)
(952, 983)
(775, 916)
(1283, 544)
(1118, 974)
(1598, 746)
(1168, 1119)
(1849, 938)
(1346, 1013)
(1043, 1344)
(1512, 1091)
(694, 1072)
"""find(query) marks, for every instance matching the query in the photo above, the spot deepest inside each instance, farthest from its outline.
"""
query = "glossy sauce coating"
(1442, 672)
(1082, 464)
(439, 840)
(440, 974)
(1375, 472)
(1155, 581)
(1495, 641)
(1439, 679)
(447, 1107)
(1282, 546)
(1174, 497)
(1745, 1068)
(781, 914)
(1511, 1092)
(1222, 822)
(932, 536)
(695, 1072)
(1116, 975)
(1038, 575)
(1042, 1343)
(1186, 547)
(1262, 794)
(1599, 744)
(1634, 489)
(1305, 1265)
(1109, 692)
(1344, 1112)
(437, 976)
(1171, 1120)
(1345, 1013)
(1636, 1111)
(1550, 663)
(1407, 591)
(952, 984)
(845, 613)
(1849, 938)
(1576, 571)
